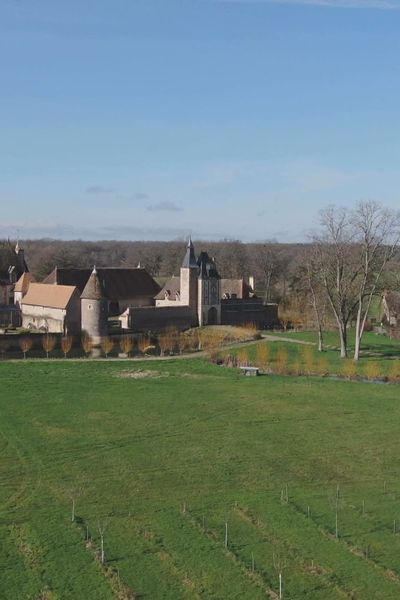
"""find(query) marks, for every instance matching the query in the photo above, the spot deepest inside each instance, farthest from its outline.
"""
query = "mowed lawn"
(166, 465)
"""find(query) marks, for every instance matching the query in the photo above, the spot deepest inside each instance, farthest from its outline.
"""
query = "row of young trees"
(345, 265)
(171, 341)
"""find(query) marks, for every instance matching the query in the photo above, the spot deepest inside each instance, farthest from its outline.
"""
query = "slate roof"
(189, 262)
(238, 288)
(172, 288)
(207, 267)
(118, 283)
(93, 289)
(51, 296)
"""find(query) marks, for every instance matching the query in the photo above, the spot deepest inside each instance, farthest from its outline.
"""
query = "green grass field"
(164, 462)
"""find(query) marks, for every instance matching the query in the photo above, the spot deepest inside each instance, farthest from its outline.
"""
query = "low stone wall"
(252, 310)
(158, 319)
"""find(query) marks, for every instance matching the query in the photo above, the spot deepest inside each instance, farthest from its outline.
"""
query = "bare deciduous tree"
(310, 277)
(126, 344)
(49, 343)
(107, 344)
(351, 254)
(378, 234)
(66, 344)
(334, 252)
(87, 344)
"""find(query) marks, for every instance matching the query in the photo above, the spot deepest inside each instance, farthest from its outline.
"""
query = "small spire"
(190, 259)
(94, 272)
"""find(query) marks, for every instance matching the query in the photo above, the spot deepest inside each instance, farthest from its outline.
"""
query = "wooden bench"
(250, 371)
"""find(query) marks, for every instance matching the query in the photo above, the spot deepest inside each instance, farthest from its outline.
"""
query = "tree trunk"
(343, 340)
(320, 339)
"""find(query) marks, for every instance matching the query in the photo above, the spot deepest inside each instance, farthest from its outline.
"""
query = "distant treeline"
(272, 264)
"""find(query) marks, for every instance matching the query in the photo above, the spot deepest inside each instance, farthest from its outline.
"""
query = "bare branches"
(351, 253)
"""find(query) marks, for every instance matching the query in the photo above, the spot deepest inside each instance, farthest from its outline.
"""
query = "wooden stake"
(280, 587)
(308, 512)
(226, 535)
(336, 526)
(252, 563)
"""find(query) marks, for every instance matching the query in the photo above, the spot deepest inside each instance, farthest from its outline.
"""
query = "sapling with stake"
(101, 528)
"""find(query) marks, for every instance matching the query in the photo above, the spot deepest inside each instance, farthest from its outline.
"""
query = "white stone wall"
(37, 317)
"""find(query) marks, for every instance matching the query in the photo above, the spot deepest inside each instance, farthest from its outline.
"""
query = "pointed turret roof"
(93, 289)
(189, 262)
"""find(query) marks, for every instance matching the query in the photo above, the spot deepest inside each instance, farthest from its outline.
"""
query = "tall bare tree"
(336, 260)
(317, 296)
(377, 231)
(352, 252)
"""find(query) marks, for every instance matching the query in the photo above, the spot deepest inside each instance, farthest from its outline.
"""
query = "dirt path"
(278, 338)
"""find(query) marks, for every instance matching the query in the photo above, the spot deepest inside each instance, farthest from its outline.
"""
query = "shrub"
(263, 356)
(349, 369)
(372, 370)
(322, 366)
(394, 374)
(242, 358)
(296, 369)
(281, 362)
(230, 360)
(308, 359)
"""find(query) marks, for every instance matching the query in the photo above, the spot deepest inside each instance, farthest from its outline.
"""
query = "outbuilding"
(52, 308)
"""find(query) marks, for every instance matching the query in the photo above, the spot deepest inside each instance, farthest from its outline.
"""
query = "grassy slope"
(223, 445)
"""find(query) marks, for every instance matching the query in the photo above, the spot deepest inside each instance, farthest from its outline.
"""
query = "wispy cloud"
(99, 189)
(371, 4)
(166, 206)
(140, 196)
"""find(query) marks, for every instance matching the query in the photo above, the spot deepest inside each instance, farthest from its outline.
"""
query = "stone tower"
(94, 309)
(189, 275)
(209, 291)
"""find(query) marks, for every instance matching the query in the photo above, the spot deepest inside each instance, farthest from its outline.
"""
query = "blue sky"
(152, 119)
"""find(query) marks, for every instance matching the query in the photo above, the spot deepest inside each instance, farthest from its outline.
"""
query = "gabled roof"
(238, 288)
(118, 283)
(23, 282)
(51, 296)
(170, 289)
